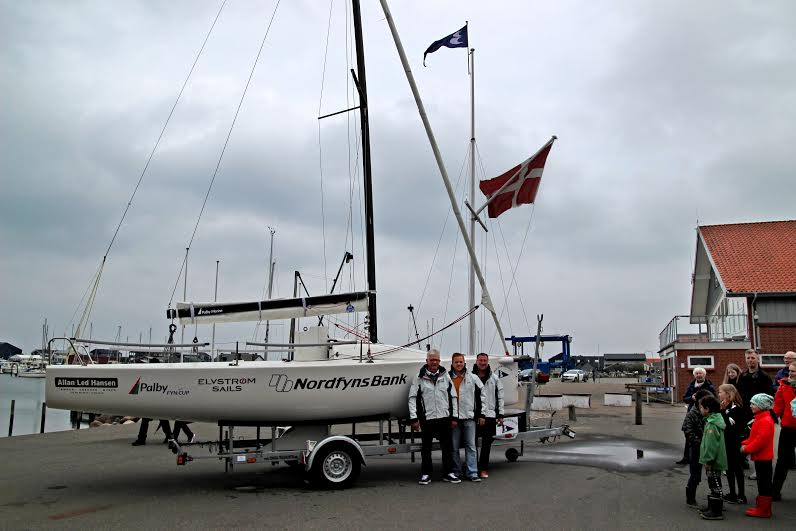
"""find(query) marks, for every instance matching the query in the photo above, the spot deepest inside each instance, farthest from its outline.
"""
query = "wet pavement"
(614, 475)
(609, 453)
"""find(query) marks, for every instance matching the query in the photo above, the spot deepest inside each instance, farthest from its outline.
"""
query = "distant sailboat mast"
(270, 280)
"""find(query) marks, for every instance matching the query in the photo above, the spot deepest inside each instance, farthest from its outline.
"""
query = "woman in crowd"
(735, 419)
(731, 374)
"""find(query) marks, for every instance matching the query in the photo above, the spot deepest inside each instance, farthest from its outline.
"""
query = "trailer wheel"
(512, 454)
(336, 466)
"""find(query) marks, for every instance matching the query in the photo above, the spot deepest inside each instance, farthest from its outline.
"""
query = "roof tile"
(754, 257)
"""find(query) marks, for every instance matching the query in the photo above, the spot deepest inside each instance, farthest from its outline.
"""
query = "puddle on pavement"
(610, 453)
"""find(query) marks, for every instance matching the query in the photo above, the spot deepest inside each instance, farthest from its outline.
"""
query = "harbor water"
(29, 396)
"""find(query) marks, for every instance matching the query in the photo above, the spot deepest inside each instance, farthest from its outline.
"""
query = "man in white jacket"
(494, 409)
(469, 391)
(433, 409)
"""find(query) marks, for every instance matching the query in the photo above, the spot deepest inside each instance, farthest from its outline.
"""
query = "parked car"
(574, 375)
(526, 374)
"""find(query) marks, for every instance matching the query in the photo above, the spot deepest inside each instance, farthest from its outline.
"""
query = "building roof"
(7, 350)
(625, 357)
(753, 257)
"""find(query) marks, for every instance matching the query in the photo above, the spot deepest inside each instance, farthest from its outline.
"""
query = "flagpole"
(471, 301)
(513, 177)
(485, 298)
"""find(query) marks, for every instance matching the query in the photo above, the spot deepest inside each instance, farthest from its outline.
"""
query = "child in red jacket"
(760, 446)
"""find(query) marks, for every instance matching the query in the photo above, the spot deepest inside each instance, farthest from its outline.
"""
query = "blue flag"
(457, 39)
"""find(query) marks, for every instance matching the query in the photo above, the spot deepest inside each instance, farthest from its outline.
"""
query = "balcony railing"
(713, 328)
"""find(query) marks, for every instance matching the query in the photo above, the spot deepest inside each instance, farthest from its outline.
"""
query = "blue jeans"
(464, 432)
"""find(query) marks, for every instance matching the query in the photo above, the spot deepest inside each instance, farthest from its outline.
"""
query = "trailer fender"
(333, 439)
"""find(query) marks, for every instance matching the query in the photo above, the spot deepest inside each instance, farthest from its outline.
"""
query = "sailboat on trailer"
(324, 381)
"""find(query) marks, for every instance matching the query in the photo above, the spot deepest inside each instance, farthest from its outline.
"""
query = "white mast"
(471, 301)
(485, 298)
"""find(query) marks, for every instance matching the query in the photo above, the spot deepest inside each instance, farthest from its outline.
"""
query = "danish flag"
(517, 186)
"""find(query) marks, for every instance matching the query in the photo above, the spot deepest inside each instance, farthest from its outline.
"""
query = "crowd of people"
(456, 407)
(724, 426)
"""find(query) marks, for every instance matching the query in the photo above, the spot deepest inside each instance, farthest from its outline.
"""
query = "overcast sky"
(668, 114)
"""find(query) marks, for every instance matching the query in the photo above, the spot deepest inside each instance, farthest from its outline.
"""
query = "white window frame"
(772, 365)
(692, 365)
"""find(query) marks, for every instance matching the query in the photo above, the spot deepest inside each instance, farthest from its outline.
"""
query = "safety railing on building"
(709, 328)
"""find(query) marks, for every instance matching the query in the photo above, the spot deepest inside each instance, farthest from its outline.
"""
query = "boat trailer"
(332, 455)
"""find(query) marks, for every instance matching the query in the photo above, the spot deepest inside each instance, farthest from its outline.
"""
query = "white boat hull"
(250, 391)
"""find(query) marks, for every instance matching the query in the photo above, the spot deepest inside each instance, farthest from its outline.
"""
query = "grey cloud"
(665, 113)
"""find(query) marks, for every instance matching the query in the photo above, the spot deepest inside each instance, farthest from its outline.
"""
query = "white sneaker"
(425, 479)
(452, 478)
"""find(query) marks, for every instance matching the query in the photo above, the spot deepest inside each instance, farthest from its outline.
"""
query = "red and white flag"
(518, 186)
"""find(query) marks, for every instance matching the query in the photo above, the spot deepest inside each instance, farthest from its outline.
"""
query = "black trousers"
(163, 424)
(486, 433)
(694, 467)
(439, 429)
(685, 448)
(180, 425)
(735, 468)
(787, 443)
(763, 471)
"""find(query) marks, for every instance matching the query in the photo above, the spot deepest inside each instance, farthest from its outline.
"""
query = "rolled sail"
(237, 312)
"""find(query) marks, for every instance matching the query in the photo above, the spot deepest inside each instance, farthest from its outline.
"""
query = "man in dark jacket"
(753, 380)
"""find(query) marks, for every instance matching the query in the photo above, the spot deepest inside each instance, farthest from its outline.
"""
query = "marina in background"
(28, 394)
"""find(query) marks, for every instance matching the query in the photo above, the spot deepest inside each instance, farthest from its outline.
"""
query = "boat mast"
(471, 302)
(485, 298)
(362, 87)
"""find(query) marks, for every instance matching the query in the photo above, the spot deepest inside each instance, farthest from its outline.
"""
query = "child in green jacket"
(713, 454)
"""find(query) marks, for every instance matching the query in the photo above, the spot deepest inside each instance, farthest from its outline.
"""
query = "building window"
(706, 362)
(772, 360)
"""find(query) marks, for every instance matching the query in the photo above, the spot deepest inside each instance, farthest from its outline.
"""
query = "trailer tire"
(336, 466)
(512, 454)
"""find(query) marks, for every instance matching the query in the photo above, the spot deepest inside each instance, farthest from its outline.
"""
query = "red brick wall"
(777, 339)
(716, 375)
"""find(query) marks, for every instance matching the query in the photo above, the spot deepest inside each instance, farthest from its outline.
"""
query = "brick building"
(743, 296)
